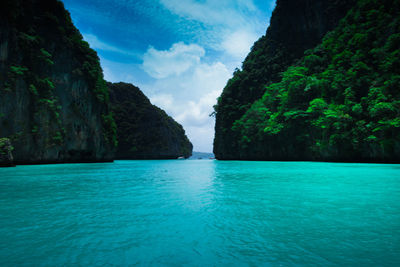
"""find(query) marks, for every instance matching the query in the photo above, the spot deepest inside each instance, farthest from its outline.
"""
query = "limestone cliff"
(296, 25)
(53, 98)
(340, 101)
(144, 130)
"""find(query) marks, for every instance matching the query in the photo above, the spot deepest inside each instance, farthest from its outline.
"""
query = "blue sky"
(179, 52)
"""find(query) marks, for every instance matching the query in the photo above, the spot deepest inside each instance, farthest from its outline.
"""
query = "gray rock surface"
(53, 99)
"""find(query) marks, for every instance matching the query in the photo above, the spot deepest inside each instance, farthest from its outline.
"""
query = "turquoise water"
(200, 213)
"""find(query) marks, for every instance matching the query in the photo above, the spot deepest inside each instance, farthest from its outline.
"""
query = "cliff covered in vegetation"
(295, 27)
(145, 131)
(339, 102)
(53, 98)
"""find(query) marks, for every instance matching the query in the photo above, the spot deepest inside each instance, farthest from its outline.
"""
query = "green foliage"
(281, 47)
(110, 129)
(340, 98)
(101, 90)
(46, 84)
(35, 129)
(18, 70)
(15, 72)
(45, 53)
(381, 109)
(46, 56)
(50, 103)
(28, 39)
(33, 90)
(58, 138)
(317, 106)
(5, 146)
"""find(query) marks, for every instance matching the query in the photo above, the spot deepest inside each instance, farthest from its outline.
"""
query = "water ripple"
(200, 213)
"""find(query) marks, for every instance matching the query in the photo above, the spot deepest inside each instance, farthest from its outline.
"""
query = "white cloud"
(197, 113)
(222, 12)
(193, 115)
(238, 43)
(97, 44)
(201, 137)
(189, 96)
(231, 29)
(178, 59)
(164, 101)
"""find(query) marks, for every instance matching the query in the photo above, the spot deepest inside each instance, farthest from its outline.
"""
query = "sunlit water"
(200, 213)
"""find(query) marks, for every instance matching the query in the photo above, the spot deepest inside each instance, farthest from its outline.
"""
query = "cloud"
(201, 137)
(164, 101)
(189, 96)
(215, 12)
(178, 59)
(193, 115)
(197, 113)
(97, 44)
(238, 43)
(227, 23)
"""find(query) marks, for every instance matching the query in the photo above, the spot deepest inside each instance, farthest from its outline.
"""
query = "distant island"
(202, 155)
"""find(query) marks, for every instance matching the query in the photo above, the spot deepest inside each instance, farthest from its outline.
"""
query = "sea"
(200, 213)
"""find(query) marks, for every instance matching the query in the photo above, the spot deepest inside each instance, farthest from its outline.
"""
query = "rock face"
(6, 157)
(145, 131)
(338, 102)
(296, 25)
(53, 99)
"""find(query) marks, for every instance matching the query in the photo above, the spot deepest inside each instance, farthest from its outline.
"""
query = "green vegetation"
(110, 128)
(341, 101)
(6, 158)
(18, 70)
(46, 56)
(284, 43)
(5, 146)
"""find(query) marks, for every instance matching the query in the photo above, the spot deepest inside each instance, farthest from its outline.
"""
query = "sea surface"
(200, 213)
